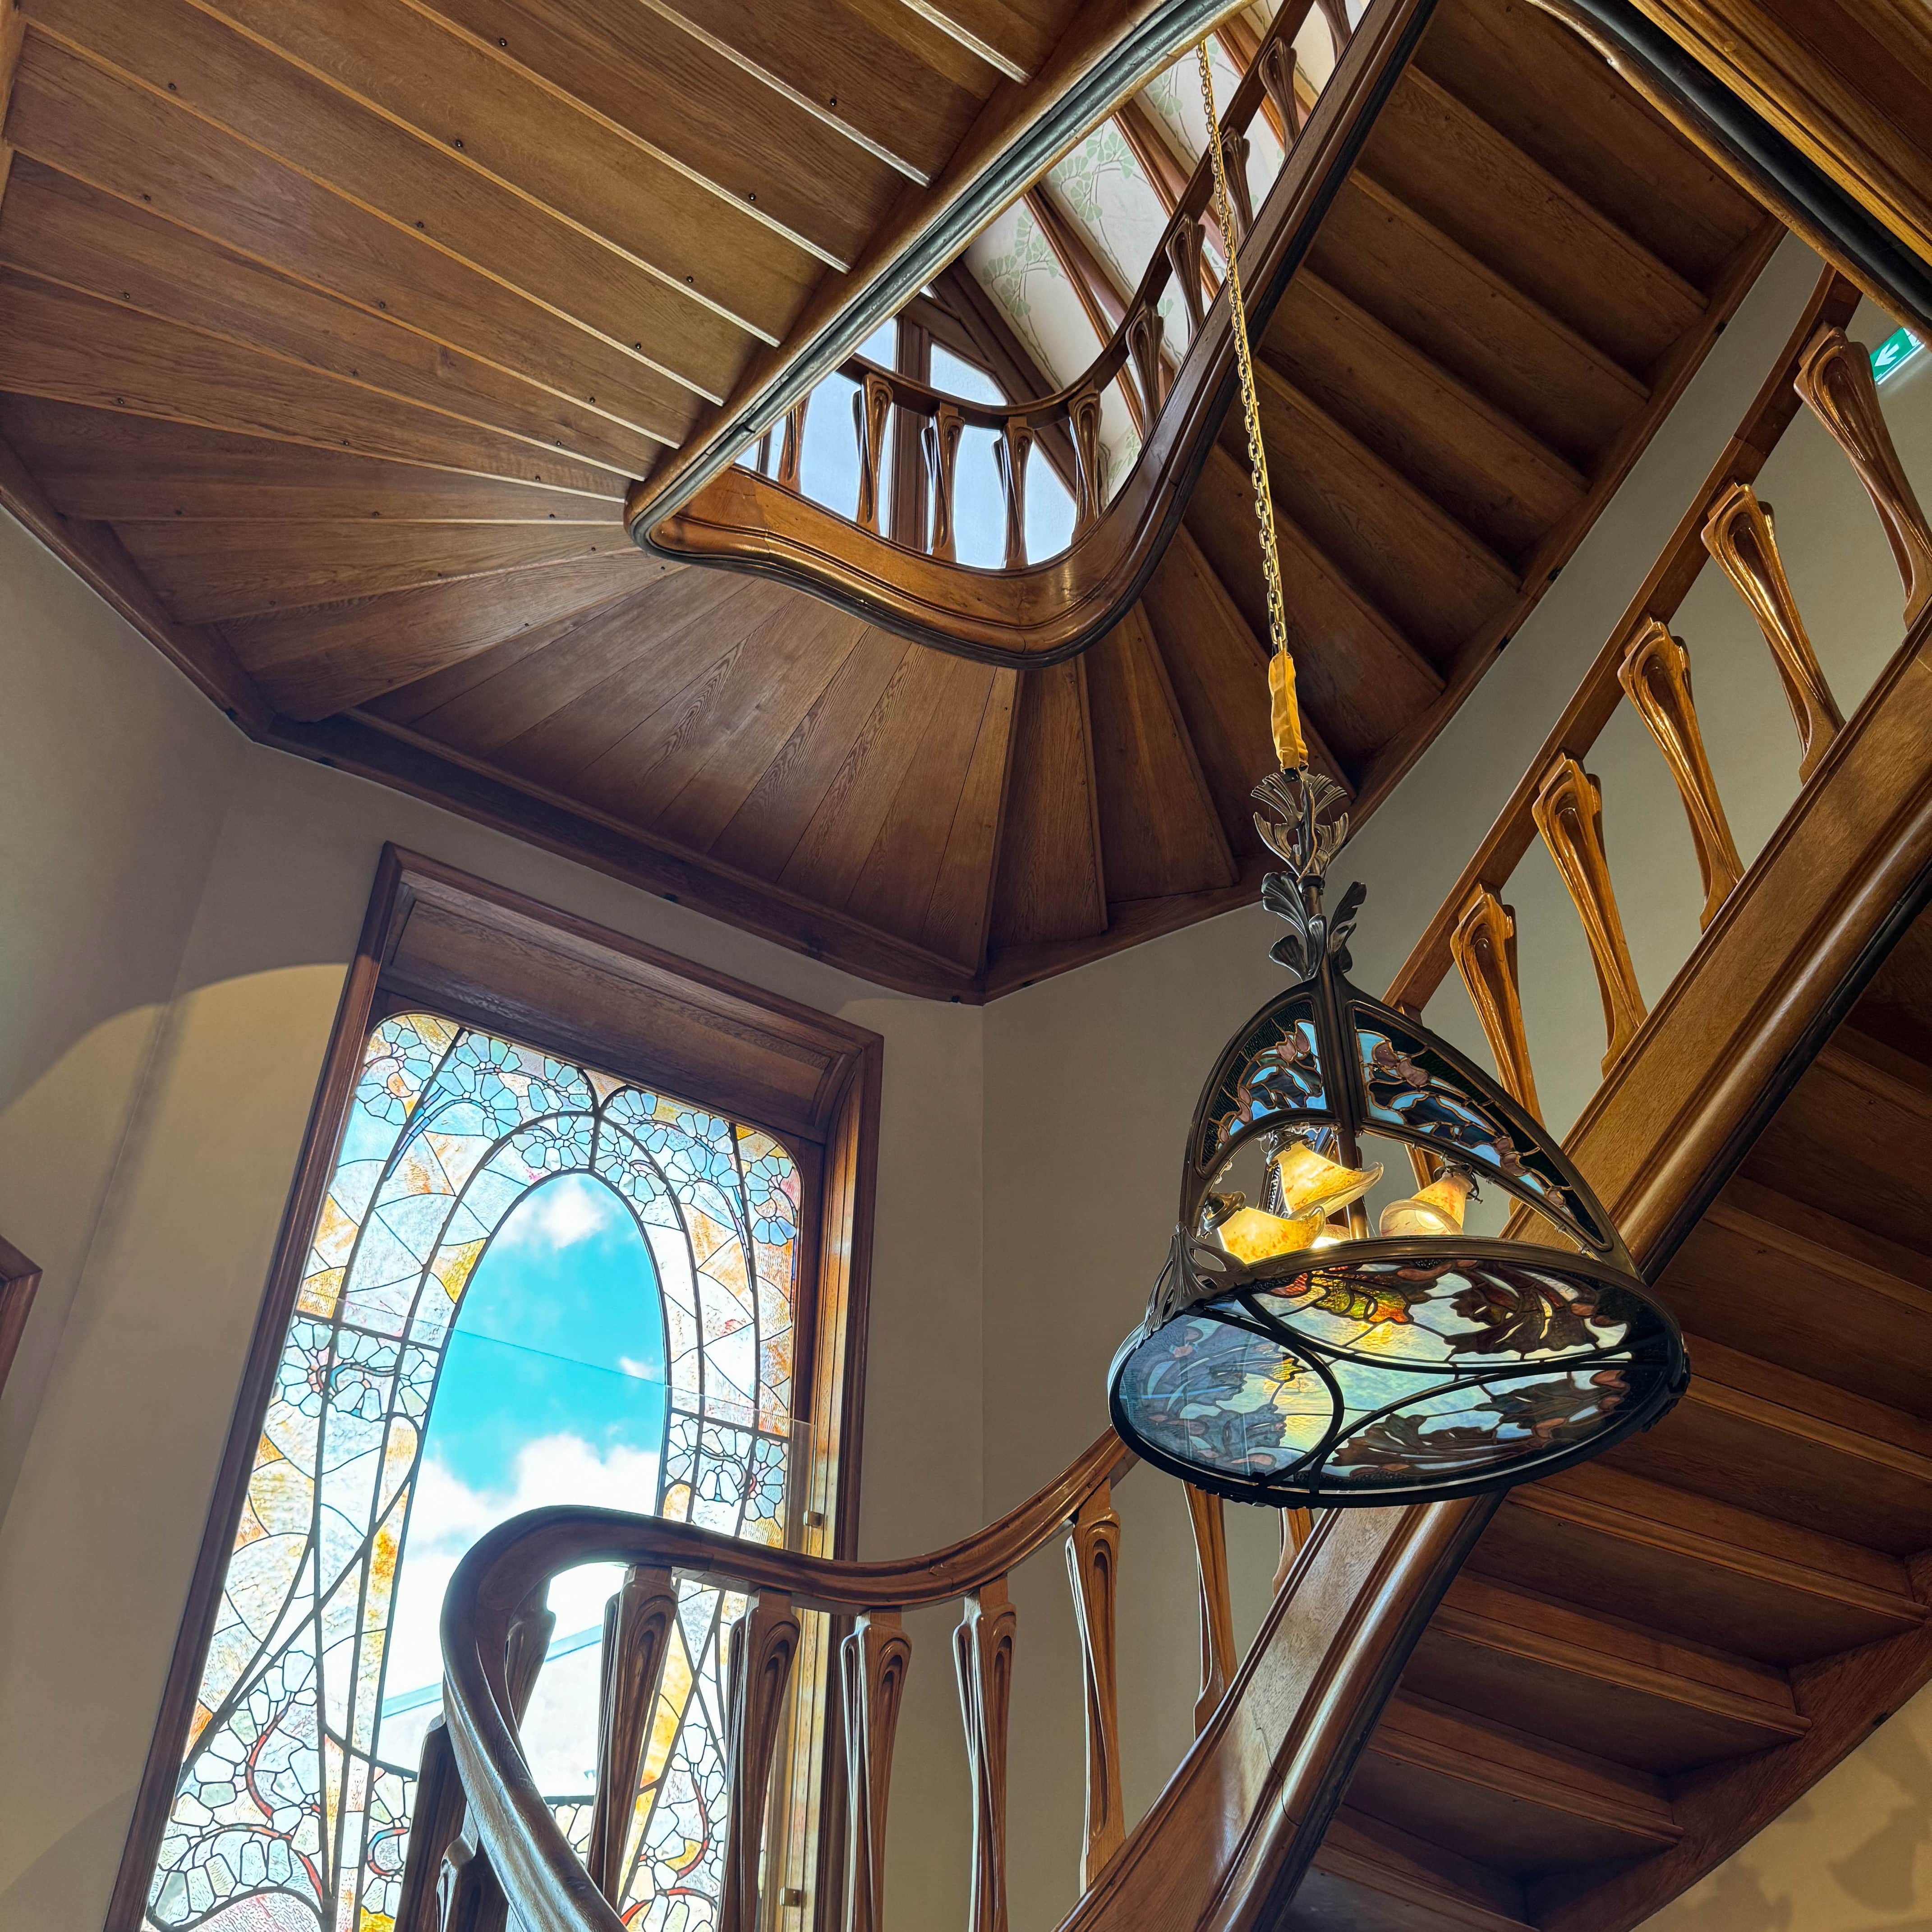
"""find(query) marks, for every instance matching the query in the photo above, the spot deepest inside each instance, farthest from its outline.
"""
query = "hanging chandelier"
(1290, 1356)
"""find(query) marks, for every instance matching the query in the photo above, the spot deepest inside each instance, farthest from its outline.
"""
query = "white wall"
(179, 907)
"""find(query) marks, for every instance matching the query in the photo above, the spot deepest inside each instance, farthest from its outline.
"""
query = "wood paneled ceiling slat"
(703, 245)
(854, 66)
(1159, 834)
(75, 348)
(1050, 883)
(125, 469)
(765, 831)
(901, 872)
(705, 114)
(64, 231)
(958, 914)
(103, 129)
(208, 572)
(1013, 35)
(212, 70)
(695, 787)
(335, 656)
(549, 712)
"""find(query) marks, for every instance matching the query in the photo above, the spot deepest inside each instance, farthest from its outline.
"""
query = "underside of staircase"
(1646, 1660)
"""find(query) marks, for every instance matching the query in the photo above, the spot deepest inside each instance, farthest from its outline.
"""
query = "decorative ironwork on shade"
(1287, 1360)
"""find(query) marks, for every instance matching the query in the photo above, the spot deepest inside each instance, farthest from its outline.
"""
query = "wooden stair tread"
(1590, 1681)
(1769, 1438)
(1801, 1288)
(1522, 1805)
(1689, 1564)
(1370, 1876)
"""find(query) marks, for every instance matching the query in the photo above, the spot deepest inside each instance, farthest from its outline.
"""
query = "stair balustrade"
(1039, 611)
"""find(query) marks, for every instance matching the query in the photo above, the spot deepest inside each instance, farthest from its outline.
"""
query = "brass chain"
(1237, 320)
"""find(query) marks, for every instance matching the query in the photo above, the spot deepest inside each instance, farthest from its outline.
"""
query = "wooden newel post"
(983, 1653)
(763, 1642)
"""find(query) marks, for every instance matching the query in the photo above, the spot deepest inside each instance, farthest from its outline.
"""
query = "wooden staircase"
(1644, 1659)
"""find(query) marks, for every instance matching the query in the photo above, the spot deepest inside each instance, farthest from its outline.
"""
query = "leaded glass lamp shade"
(1292, 1357)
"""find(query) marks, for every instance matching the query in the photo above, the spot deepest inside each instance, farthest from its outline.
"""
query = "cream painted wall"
(178, 917)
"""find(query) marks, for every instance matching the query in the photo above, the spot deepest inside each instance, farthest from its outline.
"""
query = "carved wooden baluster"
(1738, 534)
(435, 1819)
(1184, 251)
(793, 448)
(874, 1659)
(872, 410)
(531, 1629)
(1278, 63)
(1014, 447)
(1835, 379)
(1234, 160)
(1336, 13)
(763, 1642)
(1298, 1526)
(1217, 1608)
(1655, 675)
(1569, 813)
(1483, 944)
(765, 453)
(1090, 488)
(638, 1624)
(1093, 1565)
(942, 461)
(983, 1653)
(1143, 332)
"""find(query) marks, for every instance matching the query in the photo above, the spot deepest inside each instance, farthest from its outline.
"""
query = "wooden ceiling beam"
(199, 64)
(103, 129)
(94, 552)
(1012, 39)
(64, 231)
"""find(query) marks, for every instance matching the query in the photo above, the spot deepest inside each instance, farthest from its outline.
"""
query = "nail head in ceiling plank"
(65, 231)
(70, 346)
(103, 129)
(198, 62)
(95, 553)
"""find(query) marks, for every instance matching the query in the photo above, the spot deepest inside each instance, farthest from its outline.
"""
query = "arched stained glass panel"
(529, 1282)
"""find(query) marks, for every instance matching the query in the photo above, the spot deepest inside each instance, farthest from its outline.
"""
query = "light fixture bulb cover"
(1427, 1365)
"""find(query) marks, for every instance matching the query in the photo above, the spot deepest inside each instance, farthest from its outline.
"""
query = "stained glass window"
(529, 1282)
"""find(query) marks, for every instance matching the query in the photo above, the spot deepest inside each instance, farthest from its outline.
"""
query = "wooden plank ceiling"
(333, 331)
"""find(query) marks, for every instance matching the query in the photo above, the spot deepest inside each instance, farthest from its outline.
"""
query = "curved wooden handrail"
(1044, 613)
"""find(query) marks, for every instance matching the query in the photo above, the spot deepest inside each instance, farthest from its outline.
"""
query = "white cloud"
(449, 1516)
(561, 1213)
(644, 1371)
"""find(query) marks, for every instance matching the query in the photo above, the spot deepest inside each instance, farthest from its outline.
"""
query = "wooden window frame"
(437, 938)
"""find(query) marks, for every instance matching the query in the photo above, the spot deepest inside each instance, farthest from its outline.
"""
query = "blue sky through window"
(552, 1391)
